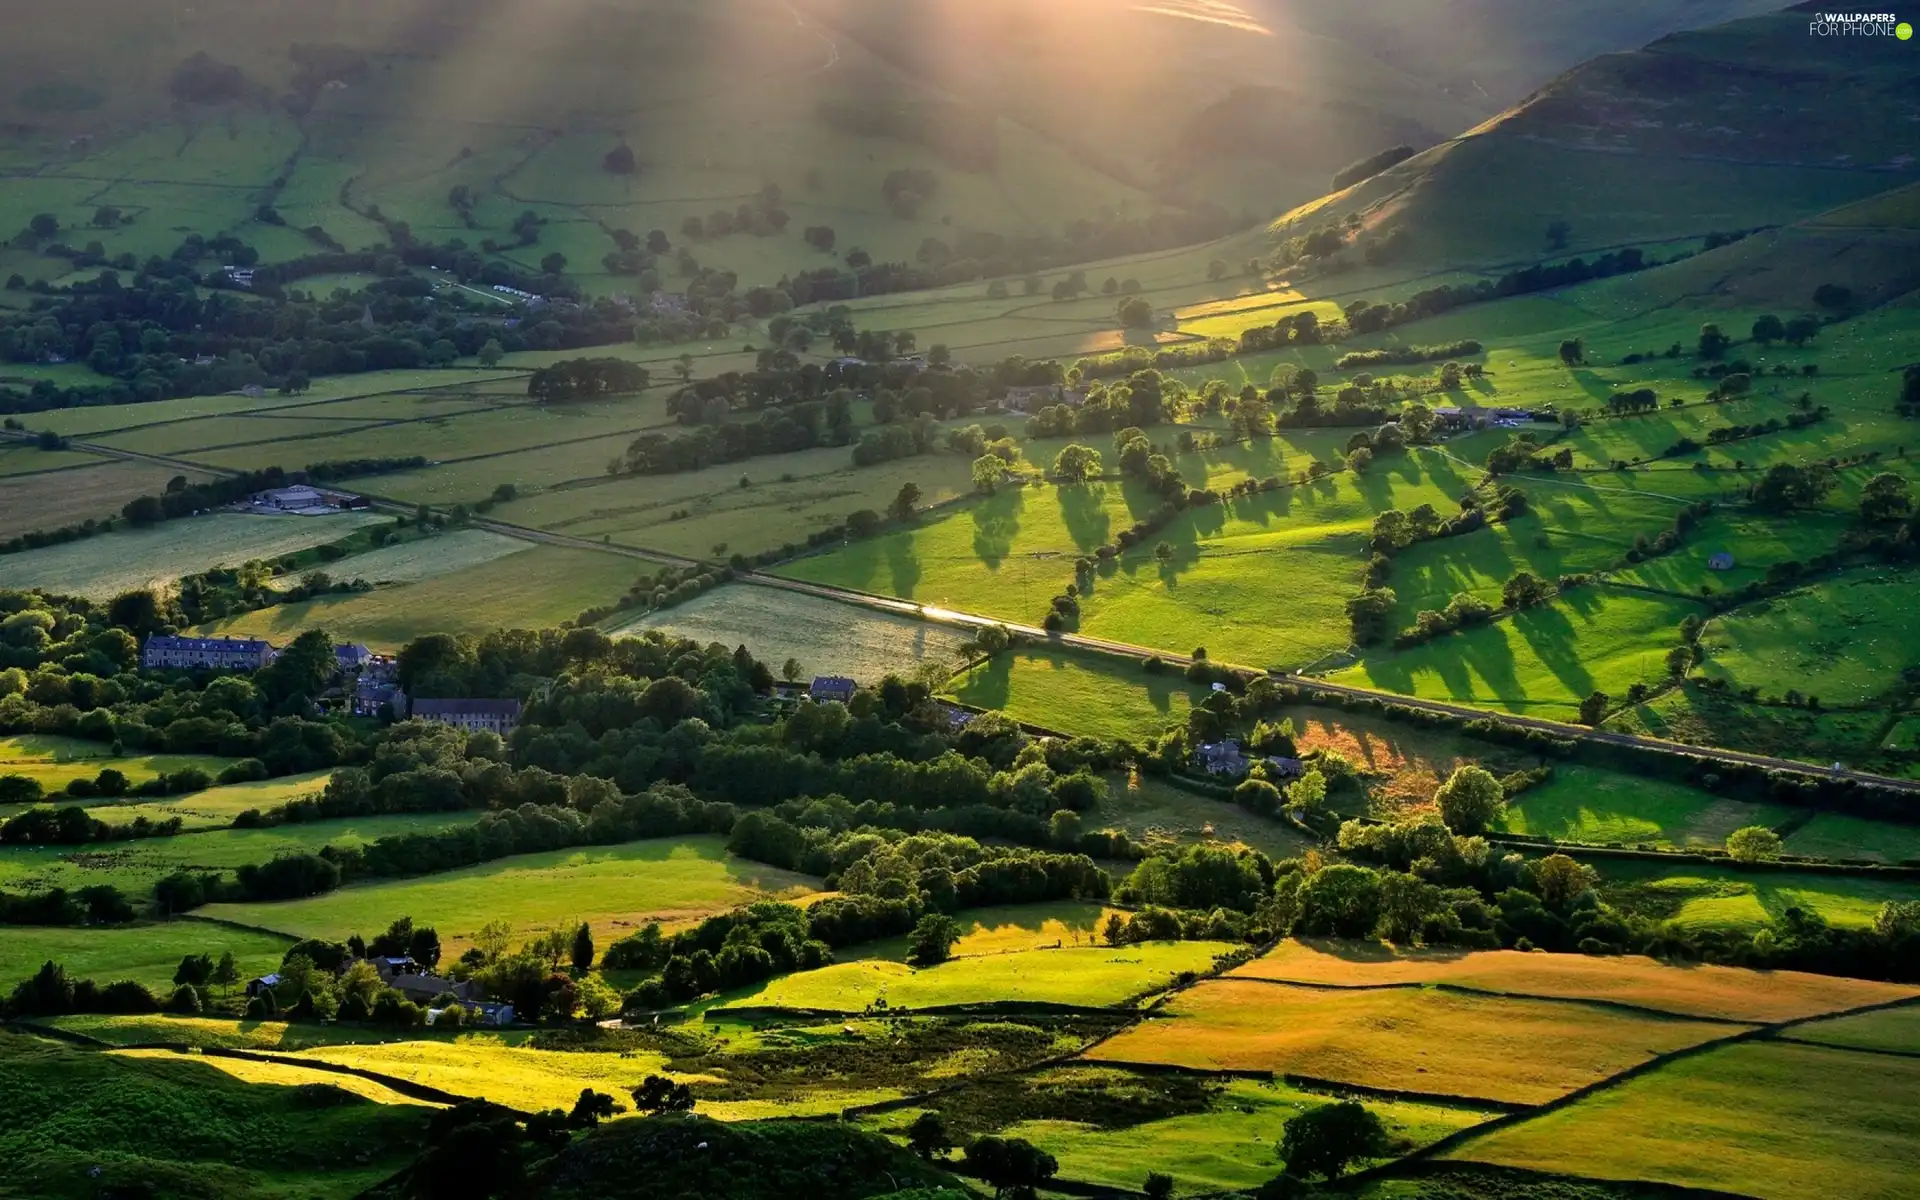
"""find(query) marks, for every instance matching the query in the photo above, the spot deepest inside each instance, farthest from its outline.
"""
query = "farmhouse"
(352, 656)
(265, 983)
(206, 654)
(1221, 758)
(493, 716)
(832, 687)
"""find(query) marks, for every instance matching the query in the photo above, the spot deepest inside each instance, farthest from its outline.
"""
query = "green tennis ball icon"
(1903, 31)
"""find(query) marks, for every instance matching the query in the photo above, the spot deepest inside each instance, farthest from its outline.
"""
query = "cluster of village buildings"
(368, 682)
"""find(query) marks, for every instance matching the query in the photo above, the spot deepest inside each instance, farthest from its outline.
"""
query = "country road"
(946, 616)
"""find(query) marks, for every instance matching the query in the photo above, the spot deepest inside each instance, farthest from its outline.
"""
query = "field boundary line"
(1313, 686)
(1887, 1051)
(1545, 1179)
(1621, 1006)
(1769, 1032)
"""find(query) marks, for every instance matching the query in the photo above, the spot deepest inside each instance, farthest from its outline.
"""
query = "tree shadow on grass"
(903, 562)
(996, 522)
(1555, 642)
(987, 685)
(1083, 509)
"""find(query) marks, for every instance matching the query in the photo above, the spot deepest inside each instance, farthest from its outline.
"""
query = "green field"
(55, 761)
(1227, 1147)
(1091, 976)
(824, 636)
(539, 588)
(50, 501)
(1845, 641)
(1773, 1121)
(1893, 1029)
(83, 1122)
(146, 954)
(1586, 804)
(102, 567)
(1542, 661)
(1078, 694)
(217, 806)
(1836, 835)
(135, 866)
(1719, 897)
(615, 889)
(417, 561)
(1163, 816)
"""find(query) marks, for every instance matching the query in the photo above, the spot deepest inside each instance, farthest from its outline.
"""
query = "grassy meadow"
(1077, 694)
(1588, 804)
(1891, 1029)
(146, 953)
(55, 761)
(615, 889)
(533, 589)
(1844, 640)
(1769, 1120)
(824, 636)
(1227, 1147)
(104, 566)
(1720, 897)
(1438, 1043)
(135, 866)
(183, 1125)
(1092, 976)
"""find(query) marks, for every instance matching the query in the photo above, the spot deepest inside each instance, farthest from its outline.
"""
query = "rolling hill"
(347, 116)
(1747, 124)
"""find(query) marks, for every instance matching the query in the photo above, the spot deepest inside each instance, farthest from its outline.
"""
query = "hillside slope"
(342, 114)
(1746, 124)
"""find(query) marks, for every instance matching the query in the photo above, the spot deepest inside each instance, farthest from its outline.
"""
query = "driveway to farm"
(948, 616)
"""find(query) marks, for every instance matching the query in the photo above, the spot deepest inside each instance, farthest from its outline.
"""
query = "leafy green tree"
(1786, 486)
(591, 1108)
(1307, 794)
(1392, 530)
(1370, 614)
(931, 942)
(1887, 497)
(1712, 342)
(658, 1094)
(904, 501)
(1323, 1141)
(1159, 1186)
(1471, 800)
(1011, 1165)
(1076, 464)
(582, 949)
(1342, 900)
(928, 1136)
(1767, 329)
(491, 353)
(1593, 709)
(1135, 312)
(1754, 843)
(1257, 796)
(226, 973)
(988, 471)
(195, 970)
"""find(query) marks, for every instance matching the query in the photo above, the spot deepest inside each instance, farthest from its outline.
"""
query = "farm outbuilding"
(1721, 561)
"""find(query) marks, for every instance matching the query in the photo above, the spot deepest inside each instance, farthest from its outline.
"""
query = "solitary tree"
(1011, 1165)
(1471, 800)
(1887, 497)
(583, 948)
(491, 353)
(1557, 234)
(928, 1136)
(1755, 843)
(903, 501)
(226, 973)
(790, 670)
(591, 1108)
(1159, 1186)
(1593, 709)
(1768, 329)
(932, 940)
(1324, 1140)
(657, 1094)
